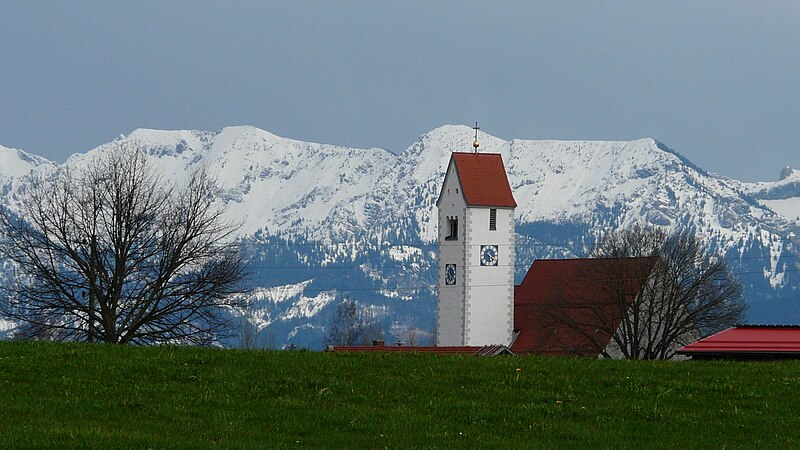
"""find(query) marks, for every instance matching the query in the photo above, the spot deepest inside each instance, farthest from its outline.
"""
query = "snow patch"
(788, 207)
(403, 253)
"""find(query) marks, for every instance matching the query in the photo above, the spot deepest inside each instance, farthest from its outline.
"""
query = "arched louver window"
(453, 227)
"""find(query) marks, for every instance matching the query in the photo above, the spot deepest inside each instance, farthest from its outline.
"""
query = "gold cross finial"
(475, 143)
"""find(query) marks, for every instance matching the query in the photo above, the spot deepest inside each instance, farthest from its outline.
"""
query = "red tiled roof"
(483, 179)
(572, 306)
(748, 340)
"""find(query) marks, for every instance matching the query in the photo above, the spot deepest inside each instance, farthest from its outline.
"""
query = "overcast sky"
(718, 81)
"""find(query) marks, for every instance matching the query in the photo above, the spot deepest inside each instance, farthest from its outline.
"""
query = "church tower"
(476, 252)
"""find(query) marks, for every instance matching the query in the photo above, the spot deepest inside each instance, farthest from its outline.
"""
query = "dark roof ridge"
(575, 260)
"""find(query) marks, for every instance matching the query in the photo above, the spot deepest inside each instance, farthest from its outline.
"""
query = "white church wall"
(450, 309)
(489, 296)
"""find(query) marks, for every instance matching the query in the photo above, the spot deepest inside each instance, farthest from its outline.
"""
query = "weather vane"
(475, 143)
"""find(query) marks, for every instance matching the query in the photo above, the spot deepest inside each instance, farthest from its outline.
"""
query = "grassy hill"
(79, 395)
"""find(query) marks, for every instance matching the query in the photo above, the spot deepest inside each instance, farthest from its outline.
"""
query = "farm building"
(574, 306)
(748, 342)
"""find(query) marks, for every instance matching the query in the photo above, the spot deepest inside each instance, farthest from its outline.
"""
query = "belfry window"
(492, 219)
(452, 226)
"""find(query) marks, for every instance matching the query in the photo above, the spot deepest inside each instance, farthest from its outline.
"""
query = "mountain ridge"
(318, 206)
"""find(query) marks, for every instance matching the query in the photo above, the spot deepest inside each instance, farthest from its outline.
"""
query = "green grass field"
(80, 395)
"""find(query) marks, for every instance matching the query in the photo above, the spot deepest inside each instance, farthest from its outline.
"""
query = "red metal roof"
(750, 340)
(571, 306)
(483, 179)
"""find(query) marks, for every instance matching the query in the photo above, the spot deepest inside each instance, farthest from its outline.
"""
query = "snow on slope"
(269, 182)
(283, 303)
(16, 163)
(578, 181)
(286, 187)
(787, 207)
(563, 180)
(782, 196)
(571, 181)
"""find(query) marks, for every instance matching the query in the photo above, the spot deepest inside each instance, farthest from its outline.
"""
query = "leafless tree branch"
(115, 254)
(649, 291)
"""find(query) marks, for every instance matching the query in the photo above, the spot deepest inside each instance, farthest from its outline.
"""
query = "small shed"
(752, 342)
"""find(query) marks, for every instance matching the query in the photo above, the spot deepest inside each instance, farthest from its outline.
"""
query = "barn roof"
(483, 179)
(572, 306)
(748, 341)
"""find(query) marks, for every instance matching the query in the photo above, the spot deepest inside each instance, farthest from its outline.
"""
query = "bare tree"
(348, 326)
(248, 334)
(112, 253)
(650, 292)
(373, 330)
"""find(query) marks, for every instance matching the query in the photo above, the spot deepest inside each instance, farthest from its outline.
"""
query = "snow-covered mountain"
(321, 222)
(277, 185)
(15, 163)
(782, 196)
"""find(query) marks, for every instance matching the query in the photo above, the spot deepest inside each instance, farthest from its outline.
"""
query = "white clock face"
(489, 255)
(450, 274)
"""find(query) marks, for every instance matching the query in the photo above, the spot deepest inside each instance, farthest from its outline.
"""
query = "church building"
(476, 252)
(557, 309)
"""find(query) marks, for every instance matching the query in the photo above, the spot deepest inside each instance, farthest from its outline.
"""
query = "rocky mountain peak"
(786, 172)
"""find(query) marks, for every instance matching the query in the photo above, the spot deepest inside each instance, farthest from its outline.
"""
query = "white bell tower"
(476, 252)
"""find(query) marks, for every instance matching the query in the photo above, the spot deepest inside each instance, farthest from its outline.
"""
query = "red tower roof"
(483, 179)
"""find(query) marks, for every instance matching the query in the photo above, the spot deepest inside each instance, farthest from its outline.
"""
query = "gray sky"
(718, 81)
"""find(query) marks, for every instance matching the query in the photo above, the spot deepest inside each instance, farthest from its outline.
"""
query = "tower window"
(492, 219)
(452, 225)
